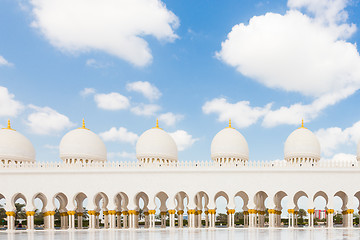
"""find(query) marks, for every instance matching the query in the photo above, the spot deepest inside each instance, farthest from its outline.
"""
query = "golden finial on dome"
(229, 123)
(302, 124)
(83, 125)
(9, 126)
(157, 124)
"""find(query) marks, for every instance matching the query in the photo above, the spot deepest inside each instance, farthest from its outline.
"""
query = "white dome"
(15, 147)
(229, 144)
(301, 144)
(82, 144)
(156, 145)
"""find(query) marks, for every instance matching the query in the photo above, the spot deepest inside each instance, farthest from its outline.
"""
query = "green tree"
(221, 218)
(302, 214)
(238, 216)
(2, 215)
(338, 218)
(20, 211)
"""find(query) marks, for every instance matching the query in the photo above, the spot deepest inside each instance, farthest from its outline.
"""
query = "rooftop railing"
(180, 165)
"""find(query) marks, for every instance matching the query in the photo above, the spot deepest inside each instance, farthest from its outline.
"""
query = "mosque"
(176, 189)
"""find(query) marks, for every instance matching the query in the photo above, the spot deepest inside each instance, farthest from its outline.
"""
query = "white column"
(230, 213)
(163, 219)
(30, 220)
(152, 218)
(92, 219)
(80, 220)
(212, 213)
(125, 219)
(199, 223)
(191, 218)
(118, 219)
(71, 215)
(112, 219)
(172, 217)
(206, 219)
(330, 218)
(233, 218)
(350, 222)
(311, 217)
(270, 218)
(132, 218)
(252, 218)
(181, 218)
(246, 219)
(10, 220)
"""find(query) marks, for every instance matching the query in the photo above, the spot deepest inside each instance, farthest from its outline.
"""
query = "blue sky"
(185, 63)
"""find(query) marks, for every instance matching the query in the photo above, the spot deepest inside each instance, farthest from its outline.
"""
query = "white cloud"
(183, 139)
(115, 27)
(4, 62)
(295, 52)
(96, 64)
(46, 121)
(292, 114)
(328, 12)
(145, 109)
(111, 101)
(331, 139)
(241, 113)
(120, 134)
(145, 88)
(114, 156)
(170, 119)
(9, 107)
(87, 91)
(341, 157)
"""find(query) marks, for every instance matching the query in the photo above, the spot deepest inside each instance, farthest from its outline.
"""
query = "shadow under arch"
(39, 213)
(61, 217)
(16, 197)
(80, 210)
(163, 197)
(121, 201)
(245, 199)
(142, 211)
(259, 199)
(344, 197)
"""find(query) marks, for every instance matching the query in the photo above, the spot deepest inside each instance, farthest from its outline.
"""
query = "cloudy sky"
(191, 64)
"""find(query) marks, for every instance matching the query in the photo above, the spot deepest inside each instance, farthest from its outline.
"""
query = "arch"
(321, 194)
(1, 198)
(179, 199)
(221, 194)
(145, 199)
(63, 201)
(278, 197)
(79, 201)
(16, 197)
(42, 198)
(298, 195)
(199, 197)
(97, 199)
(259, 200)
(357, 195)
(344, 197)
(163, 197)
(121, 201)
(244, 197)
(59, 218)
